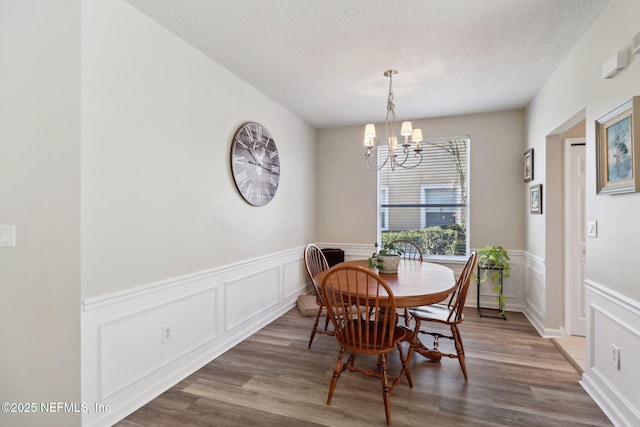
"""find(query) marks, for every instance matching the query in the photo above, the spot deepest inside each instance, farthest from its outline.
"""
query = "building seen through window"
(428, 204)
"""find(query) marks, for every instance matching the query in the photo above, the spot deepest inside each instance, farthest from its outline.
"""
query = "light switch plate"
(592, 228)
(7, 236)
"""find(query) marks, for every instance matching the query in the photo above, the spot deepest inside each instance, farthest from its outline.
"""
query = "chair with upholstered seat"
(450, 314)
(362, 308)
(408, 250)
(315, 262)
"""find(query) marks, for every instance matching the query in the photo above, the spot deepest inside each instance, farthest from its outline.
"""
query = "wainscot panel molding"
(139, 342)
(613, 320)
(534, 296)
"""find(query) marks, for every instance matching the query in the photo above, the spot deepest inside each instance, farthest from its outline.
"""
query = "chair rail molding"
(139, 342)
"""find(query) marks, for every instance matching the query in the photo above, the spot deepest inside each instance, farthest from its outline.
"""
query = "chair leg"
(385, 387)
(326, 321)
(337, 370)
(414, 342)
(315, 326)
(406, 317)
(405, 366)
(459, 349)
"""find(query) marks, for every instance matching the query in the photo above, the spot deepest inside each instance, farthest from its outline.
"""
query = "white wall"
(167, 241)
(158, 199)
(347, 189)
(116, 171)
(577, 88)
(576, 85)
(40, 194)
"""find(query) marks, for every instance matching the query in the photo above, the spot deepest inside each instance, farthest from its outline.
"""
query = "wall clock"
(255, 163)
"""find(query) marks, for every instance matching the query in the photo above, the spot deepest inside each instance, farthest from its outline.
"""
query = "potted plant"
(496, 259)
(386, 259)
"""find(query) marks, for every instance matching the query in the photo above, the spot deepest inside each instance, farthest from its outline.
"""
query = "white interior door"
(575, 235)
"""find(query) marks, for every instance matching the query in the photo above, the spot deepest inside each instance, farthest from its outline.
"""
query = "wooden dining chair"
(315, 262)
(369, 329)
(450, 314)
(410, 251)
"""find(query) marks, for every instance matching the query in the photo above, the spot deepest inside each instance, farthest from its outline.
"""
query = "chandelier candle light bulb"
(391, 124)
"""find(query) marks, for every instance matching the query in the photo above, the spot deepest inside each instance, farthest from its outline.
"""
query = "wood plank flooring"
(516, 378)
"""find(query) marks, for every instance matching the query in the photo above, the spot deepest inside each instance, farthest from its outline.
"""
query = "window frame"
(457, 210)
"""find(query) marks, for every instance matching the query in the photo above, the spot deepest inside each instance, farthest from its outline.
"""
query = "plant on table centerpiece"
(385, 259)
(495, 258)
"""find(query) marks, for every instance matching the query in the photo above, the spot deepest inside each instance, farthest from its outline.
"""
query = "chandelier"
(396, 156)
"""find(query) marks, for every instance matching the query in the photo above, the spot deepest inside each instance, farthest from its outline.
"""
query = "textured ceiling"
(324, 59)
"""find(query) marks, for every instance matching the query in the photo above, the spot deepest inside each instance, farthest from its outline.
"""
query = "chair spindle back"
(315, 262)
(362, 308)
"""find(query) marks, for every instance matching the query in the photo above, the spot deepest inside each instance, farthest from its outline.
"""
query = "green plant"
(449, 239)
(387, 249)
(496, 259)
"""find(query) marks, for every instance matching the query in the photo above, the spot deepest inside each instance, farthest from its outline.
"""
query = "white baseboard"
(125, 360)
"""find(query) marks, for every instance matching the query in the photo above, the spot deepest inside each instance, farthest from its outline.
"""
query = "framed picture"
(535, 199)
(528, 165)
(617, 151)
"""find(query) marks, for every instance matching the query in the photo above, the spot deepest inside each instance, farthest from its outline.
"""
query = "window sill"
(447, 259)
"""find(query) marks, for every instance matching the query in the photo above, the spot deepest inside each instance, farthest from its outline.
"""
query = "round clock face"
(255, 163)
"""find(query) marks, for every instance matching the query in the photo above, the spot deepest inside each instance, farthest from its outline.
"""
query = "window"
(439, 204)
(428, 204)
(384, 210)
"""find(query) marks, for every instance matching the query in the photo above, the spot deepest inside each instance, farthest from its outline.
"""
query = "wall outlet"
(167, 334)
(615, 356)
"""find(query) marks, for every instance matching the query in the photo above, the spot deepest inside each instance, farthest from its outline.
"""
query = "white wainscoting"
(125, 362)
(534, 292)
(613, 320)
(513, 289)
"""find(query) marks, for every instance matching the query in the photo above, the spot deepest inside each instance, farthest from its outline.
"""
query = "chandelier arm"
(416, 155)
(374, 165)
(403, 164)
(405, 151)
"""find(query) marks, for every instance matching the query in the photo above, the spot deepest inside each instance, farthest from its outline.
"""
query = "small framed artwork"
(535, 199)
(528, 165)
(617, 151)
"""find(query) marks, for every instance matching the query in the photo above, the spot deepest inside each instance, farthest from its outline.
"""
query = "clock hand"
(263, 167)
(252, 155)
(258, 152)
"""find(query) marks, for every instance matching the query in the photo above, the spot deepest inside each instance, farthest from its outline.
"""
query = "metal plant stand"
(500, 310)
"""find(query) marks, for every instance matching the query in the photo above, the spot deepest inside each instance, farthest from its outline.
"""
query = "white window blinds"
(428, 204)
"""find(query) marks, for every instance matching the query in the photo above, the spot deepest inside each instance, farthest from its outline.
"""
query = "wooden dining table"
(416, 283)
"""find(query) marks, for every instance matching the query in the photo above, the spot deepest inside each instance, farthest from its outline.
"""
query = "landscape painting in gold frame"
(618, 150)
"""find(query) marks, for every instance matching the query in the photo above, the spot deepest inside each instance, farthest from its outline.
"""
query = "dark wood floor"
(516, 378)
